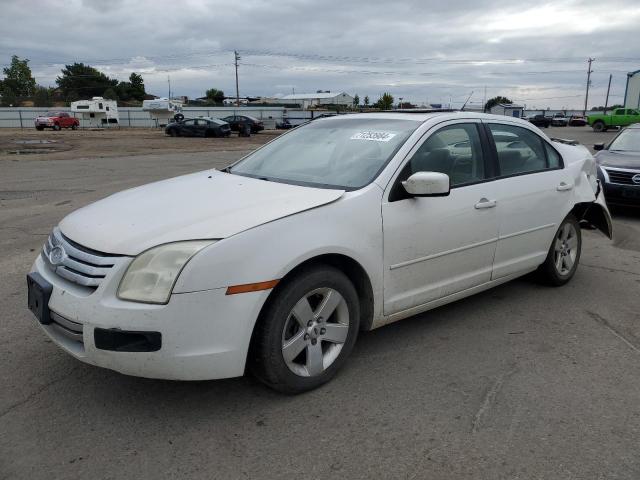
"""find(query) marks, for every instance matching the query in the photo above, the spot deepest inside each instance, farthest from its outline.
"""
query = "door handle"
(485, 203)
(564, 186)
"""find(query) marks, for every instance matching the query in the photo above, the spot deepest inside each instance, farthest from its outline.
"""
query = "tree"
(492, 102)
(137, 86)
(356, 101)
(42, 97)
(83, 80)
(9, 98)
(110, 94)
(215, 96)
(18, 78)
(385, 102)
(366, 101)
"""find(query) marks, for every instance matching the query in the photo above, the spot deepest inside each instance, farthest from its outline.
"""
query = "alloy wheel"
(565, 249)
(315, 332)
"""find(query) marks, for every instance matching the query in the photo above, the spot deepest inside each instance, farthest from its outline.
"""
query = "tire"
(173, 132)
(564, 254)
(74, 127)
(291, 350)
(598, 127)
(56, 127)
(40, 129)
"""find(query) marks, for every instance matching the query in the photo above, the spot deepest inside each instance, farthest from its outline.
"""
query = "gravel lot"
(522, 381)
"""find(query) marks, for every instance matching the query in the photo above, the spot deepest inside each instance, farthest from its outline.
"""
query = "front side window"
(346, 153)
(519, 149)
(455, 150)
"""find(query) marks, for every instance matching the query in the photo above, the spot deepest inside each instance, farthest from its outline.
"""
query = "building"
(507, 109)
(306, 100)
(632, 92)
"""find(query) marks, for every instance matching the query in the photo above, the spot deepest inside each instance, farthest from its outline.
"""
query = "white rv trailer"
(162, 110)
(97, 112)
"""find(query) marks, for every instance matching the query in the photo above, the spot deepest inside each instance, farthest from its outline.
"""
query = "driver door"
(438, 246)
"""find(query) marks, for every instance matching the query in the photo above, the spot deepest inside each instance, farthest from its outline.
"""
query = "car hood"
(203, 205)
(607, 158)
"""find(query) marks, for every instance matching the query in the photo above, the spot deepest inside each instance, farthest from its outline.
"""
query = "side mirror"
(598, 146)
(427, 184)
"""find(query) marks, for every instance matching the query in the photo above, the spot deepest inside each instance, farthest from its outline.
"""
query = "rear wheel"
(564, 254)
(40, 128)
(307, 331)
(56, 127)
(599, 127)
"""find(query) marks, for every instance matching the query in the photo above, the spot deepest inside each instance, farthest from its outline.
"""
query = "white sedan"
(344, 224)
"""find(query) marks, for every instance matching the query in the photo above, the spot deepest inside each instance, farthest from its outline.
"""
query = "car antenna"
(466, 101)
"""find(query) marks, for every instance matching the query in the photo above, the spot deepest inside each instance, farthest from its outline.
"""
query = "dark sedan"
(540, 121)
(235, 121)
(619, 167)
(198, 127)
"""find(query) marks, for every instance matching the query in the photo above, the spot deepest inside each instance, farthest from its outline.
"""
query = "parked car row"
(557, 120)
(211, 127)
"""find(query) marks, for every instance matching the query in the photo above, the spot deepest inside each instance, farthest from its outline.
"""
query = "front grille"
(622, 177)
(76, 263)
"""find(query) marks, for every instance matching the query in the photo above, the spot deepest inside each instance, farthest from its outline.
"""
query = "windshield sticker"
(373, 136)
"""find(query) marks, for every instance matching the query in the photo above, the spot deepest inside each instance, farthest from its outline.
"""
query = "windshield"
(51, 114)
(217, 121)
(340, 152)
(627, 141)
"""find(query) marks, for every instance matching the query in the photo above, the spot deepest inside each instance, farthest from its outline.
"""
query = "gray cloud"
(419, 50)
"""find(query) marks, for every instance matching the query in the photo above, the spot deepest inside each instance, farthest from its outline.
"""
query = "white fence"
(23, 117)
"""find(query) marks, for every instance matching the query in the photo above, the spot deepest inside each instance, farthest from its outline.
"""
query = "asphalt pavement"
(519, 382)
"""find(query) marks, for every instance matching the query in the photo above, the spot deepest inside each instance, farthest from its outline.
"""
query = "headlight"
(152, 274)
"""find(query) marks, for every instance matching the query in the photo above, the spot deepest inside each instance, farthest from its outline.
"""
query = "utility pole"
(237, 57)
(586, 97)
(606, 102)
(484, 98)
(169, 82)
(400, 102)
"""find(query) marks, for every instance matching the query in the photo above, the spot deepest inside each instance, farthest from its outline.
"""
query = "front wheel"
(564, 254)
(598, 127)
(56, 127)
(307, 331)
(74, 127)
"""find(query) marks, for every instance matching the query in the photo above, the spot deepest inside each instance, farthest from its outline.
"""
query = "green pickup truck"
(620, 117)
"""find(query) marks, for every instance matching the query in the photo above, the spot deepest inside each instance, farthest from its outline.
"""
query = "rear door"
(533, 194)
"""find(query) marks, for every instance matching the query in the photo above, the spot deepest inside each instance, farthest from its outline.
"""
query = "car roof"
(634, 126)
(425, 116)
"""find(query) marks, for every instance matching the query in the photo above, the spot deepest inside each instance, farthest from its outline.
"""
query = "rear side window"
(519, 150)
(552, 156)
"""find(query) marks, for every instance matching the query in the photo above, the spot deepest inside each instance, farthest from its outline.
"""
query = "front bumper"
(205, 334)
(625, 195)
(618, 193)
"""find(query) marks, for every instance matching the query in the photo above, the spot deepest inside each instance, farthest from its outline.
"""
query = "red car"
(56, 120)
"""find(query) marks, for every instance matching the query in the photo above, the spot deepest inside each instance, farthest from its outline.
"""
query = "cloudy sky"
(422, 50)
